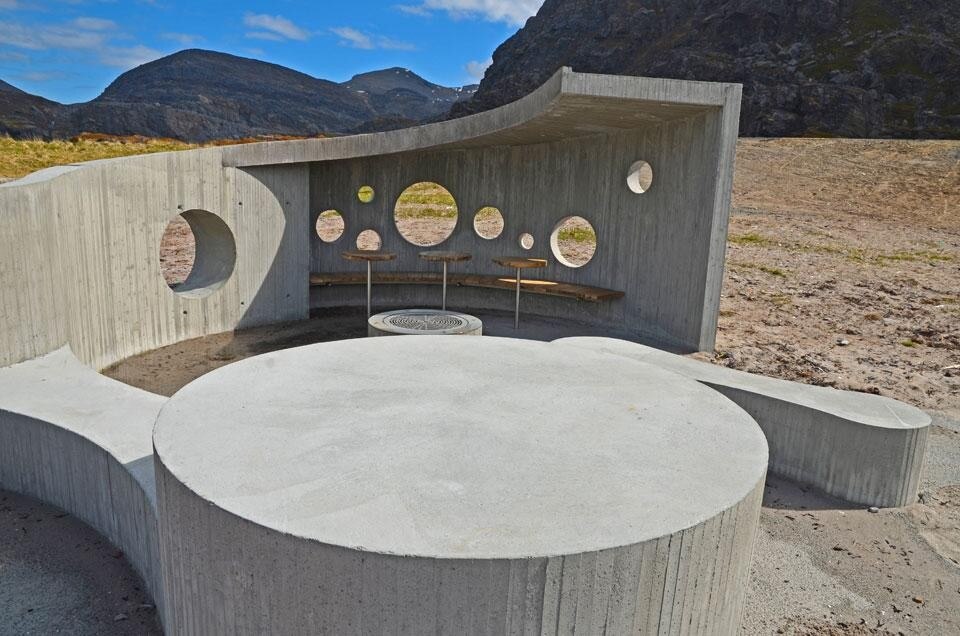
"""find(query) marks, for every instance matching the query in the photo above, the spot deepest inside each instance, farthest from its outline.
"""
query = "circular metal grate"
(425, 322)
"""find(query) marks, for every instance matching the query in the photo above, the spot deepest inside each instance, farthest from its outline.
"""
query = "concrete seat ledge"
(83, 442)
(862, 448)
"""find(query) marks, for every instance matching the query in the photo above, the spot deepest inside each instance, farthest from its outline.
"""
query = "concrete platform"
(451, 486)
(423, 322)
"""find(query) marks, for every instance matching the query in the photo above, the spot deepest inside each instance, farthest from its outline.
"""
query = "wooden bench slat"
(530, 286)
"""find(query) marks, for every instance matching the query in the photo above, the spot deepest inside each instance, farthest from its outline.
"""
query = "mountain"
(851, 68)
(402, 94)
(197, 95)
(23, 114)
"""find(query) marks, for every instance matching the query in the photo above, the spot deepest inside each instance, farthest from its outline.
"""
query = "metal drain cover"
(424, 322)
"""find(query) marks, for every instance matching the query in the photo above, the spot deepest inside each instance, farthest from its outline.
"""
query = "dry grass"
(20, 158)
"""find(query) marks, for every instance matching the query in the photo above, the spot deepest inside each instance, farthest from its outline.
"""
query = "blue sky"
(70, 50)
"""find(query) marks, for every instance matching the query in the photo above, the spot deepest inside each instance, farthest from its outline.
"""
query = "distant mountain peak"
(202, 95)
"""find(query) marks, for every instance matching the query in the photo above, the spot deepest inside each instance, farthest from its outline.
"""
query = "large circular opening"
(330, 226)
(488, 223)
(574, 241)
(369, 241)
(426, 214)
(640, 177)
(197, 254)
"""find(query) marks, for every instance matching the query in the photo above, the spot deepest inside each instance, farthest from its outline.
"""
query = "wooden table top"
(369, 256)
(440, 256)
(520, 262)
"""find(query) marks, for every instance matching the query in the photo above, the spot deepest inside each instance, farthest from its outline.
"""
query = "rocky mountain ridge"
(199, 96)
(847, 68)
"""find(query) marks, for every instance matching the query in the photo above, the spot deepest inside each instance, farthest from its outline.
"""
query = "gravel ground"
(821, 566)
(58, 576)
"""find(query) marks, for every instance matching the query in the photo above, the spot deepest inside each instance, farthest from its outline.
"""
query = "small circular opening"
(526, 241)
(488, 223)
(369, 241)
(574, 241)
(426, 214)
(640, 177)
(330, 226)
(366, 194)
(197, 253)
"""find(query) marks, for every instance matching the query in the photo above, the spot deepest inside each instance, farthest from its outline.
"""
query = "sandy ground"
(843, 267)
(58, 576)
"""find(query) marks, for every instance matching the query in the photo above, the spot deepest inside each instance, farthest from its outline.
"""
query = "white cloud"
(273, 27)
(94, 24)
(476, 69)
(40, 76)
(359, 40)
(513, 12)
(184, 39)
(8, 4)
(87, 35)
(128, 57)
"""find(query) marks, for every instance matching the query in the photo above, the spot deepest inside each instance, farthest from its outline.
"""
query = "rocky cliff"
(851, 68)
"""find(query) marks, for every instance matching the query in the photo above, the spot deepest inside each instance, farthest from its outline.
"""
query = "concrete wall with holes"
(653, 245)
(79, 245)
(79, 262)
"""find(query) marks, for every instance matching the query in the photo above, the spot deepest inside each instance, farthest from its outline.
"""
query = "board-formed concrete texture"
(423, 322)
(863, 448)
(482, 487)
(79, 245)
(648, 162)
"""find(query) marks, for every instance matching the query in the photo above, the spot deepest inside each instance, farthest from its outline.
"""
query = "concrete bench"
(544, 287)
(862, 448)
(82, 442)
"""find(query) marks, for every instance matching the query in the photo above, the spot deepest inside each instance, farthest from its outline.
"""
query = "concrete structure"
(74, 438)
(79, 244)
(863, 448)
(648, 162)
(482, 488)
(423, 322)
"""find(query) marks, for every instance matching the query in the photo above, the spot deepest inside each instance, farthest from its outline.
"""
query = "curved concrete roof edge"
(537, 104)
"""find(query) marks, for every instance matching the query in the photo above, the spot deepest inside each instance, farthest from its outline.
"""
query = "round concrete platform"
(454, 486)
(423, 322)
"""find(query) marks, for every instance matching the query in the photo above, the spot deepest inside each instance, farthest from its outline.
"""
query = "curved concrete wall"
(860, 448)
(78, 440)
(79, 245)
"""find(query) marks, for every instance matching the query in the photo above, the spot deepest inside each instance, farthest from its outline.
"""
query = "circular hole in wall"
(640, 177)
(488, 223)
(330, 226)
(197, 253)
(369, 241)
(526, 241)
(366, 194)
(574, 241)
(426, 214)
